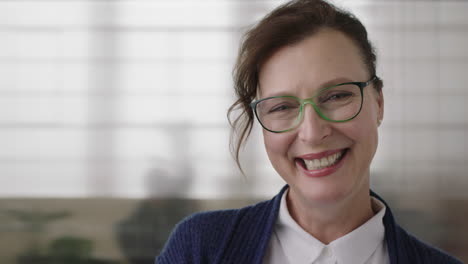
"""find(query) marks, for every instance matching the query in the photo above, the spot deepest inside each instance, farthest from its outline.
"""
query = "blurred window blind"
(129, 98)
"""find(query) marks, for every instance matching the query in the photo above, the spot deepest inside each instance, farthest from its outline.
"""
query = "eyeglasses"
(338, 103)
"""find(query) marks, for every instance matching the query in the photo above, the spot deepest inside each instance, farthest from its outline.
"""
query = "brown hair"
(288, 24)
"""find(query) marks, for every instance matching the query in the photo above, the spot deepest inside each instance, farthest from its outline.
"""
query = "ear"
(380, 105)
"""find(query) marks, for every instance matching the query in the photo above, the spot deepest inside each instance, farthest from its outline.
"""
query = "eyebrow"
(329, 83)
(335, 81)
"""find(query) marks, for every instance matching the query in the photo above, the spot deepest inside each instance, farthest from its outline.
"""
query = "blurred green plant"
(35, 223)
(65, 249)
(70, 250)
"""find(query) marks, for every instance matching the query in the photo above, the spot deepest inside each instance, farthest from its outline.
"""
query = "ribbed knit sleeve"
(179, 246)
(404, 248)
(225, 236)
(414, 251)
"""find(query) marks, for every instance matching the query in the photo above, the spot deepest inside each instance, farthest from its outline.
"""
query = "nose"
(313, 129)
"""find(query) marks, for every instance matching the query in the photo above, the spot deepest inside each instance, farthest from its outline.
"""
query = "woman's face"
(326, 58)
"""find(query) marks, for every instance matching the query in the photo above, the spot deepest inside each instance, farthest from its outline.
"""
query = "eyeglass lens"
(338, 103)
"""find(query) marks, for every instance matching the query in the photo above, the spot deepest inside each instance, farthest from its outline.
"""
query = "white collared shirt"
(290, 244)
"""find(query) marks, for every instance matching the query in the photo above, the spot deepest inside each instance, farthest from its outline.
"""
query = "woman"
(307, 73)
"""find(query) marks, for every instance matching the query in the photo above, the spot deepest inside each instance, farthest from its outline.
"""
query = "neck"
(328, 223)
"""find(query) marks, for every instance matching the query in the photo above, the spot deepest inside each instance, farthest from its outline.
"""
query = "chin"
(324, 194)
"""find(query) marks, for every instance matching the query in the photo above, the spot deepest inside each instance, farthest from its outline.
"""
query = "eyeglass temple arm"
(371, 80)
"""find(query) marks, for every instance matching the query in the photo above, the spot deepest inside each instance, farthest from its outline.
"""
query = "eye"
(281, 107)
(338, 96)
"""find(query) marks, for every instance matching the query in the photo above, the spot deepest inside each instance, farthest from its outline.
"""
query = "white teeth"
(316, 163)
(324, 162)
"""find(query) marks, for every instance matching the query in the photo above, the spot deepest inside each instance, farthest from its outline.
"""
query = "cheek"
(364, 131)
(366, 121)
(277, 145)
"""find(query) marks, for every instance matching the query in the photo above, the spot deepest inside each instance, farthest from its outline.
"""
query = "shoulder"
(212, 223)
(220, 220)
(403, 247)
(418, 251)
(200, 235)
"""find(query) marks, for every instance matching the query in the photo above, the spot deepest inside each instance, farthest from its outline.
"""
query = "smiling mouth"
(322, 163)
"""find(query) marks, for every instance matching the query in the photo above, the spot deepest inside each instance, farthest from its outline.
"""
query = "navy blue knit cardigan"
(242, 236)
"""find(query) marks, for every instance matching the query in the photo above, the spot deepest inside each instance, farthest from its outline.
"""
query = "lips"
(323, 163)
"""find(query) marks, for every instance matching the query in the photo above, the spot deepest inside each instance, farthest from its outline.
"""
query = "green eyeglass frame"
(310, 101)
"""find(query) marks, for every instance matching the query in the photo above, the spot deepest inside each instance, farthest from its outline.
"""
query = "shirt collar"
(298, 245)
(353, 248)
(358, 245)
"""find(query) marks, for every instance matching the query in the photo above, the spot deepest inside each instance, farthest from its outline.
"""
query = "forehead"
(326, 58)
